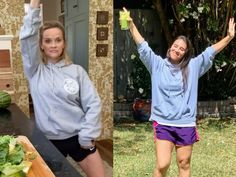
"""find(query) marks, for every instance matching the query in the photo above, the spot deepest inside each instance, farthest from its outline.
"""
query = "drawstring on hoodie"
(54, 69)
(52, 76)
(51, 68)
(173, 70)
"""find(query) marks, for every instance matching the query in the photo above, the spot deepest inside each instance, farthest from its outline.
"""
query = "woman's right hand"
(129, 19)
(133, 29)
(231, 28)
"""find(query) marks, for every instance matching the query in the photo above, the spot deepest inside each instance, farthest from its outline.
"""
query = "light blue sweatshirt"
(66, 102)
(171, 104)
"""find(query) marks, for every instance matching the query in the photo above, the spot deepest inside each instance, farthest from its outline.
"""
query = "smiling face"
(53, 44)
(177, 51)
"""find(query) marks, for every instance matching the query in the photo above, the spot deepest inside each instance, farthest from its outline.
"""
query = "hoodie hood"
(61, 63)
(174, 68)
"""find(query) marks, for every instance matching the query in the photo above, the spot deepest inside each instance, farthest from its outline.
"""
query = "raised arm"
(225, 41)
(134, 31)
(146, 54)
(29, 39)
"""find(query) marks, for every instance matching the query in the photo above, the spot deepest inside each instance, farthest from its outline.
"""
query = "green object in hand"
(123, 20)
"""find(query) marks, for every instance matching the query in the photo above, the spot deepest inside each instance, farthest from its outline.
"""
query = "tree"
(164, 20)
(204, 22)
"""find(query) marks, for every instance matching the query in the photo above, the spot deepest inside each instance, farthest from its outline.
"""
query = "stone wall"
(217, 109)
(101, 68)
(224, 108)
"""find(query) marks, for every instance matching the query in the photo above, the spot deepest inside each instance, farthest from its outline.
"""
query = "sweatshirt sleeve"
(91, 104)
(204, 60)
(29, 42)
(148, 57)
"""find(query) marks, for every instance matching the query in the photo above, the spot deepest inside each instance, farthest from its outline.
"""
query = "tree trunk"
(164, 20)
(228, 14)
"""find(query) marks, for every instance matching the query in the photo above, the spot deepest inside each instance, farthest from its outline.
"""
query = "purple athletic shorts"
(181, 136)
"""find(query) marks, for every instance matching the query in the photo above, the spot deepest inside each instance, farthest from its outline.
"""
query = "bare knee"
(184, 164)
(161, 169)
(183, 160)
(163, 153)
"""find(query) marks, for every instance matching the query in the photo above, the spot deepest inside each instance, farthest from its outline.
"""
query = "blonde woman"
(66, 103)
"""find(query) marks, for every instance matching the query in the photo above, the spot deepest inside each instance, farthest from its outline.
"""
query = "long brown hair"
(49, 25)
(186, 58)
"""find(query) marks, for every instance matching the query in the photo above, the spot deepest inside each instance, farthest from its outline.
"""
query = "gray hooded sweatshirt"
(66, 102)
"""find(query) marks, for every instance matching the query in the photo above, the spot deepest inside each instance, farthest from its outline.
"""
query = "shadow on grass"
(130, 136)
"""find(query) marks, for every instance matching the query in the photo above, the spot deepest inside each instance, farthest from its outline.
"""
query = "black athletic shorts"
(72, 148)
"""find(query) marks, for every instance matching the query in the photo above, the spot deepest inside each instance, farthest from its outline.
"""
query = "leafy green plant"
(206, 23)
(139, 79)
(12, 157)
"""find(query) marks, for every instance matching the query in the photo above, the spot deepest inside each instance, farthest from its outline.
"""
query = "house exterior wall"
(11, 16)
(101, 68)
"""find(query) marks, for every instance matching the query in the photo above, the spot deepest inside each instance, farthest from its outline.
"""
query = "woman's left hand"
(231, 29)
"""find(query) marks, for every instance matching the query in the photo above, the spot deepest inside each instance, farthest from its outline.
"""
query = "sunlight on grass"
(213, 156)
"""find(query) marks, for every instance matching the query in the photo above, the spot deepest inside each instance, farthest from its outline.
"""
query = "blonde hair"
(49, 25)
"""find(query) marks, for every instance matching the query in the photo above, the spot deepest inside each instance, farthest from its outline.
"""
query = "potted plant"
(140, 83)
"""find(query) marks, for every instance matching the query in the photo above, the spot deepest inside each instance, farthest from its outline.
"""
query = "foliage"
(139, 79)
(132, 79)
(206, 22)
(221, 80)
(11, 155)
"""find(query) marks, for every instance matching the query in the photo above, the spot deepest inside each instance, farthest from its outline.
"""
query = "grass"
(213, 156)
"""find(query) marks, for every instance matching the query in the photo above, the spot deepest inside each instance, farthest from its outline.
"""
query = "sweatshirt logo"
(71, 86)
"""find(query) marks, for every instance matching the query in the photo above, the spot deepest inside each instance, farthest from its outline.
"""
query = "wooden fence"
(147, 21)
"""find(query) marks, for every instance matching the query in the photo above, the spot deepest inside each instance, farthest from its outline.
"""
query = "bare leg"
(92, 165)
(164, 150)
(183, 156)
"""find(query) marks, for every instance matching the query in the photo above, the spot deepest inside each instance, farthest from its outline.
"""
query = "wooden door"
(76, 25)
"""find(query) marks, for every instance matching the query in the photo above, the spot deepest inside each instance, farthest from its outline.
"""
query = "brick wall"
(122, 111)
(223, 108)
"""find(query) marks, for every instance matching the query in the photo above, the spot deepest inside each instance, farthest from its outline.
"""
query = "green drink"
(123, 20)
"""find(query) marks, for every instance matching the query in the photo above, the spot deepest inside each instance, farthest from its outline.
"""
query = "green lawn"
(213, 156)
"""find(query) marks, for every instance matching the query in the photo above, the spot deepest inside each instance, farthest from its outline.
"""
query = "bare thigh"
(92, 165)
(164, 150)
